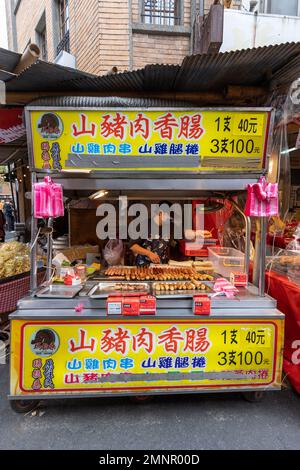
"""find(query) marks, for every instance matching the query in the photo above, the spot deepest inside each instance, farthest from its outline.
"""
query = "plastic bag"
(294, 245)
(262, 199)
(113, 252)
(48, 199)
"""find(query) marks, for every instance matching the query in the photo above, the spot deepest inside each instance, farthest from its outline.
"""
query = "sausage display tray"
(58, 291)
(179, 294)
(103, 289)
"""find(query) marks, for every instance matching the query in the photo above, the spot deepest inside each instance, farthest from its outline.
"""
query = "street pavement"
(177, 422)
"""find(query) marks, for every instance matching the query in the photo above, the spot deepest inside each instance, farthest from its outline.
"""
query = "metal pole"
(49, 249)
(201, 8)
(33, 244)
(16, 210)
(262, 261)
(248, 235)
(256, 261)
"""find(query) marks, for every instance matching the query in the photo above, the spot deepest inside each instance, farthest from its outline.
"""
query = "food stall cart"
(65, 344)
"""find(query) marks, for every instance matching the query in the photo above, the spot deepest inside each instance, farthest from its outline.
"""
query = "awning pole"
(247, 237)
(33, 244)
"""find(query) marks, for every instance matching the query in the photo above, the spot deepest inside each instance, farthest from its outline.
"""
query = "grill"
(64, 44)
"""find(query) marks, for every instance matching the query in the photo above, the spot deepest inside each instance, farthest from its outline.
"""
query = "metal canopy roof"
(6, 76)
(204, 72)
(14, 151)
(277, 64)
(243, 67)
(8, 59)
(45, 76)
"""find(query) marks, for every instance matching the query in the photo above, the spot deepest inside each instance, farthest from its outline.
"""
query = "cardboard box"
(131, 306)
(114, 305)
(147, 305)
(201, 305)
(239, 279)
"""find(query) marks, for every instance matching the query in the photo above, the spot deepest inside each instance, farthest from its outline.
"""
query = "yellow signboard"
(152, 140)
(69, 356)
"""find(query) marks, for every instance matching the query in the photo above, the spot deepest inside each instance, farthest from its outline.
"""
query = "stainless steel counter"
(246, 303)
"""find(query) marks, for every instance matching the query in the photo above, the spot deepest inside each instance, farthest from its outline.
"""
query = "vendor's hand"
(154, 258)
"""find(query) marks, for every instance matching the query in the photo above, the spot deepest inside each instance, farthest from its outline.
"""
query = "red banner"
(11, 125)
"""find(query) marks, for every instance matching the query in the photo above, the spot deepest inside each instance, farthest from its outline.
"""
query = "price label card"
(248, 125)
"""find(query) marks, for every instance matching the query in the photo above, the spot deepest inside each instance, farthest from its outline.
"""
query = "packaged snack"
(131, 306)
(147, 305)
(201, 305)
(114, 305)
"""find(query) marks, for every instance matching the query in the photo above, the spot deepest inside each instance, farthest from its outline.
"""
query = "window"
(282, 7)
(43, 44)
(41, 37)
(64, 25)
(63, 11)
(161, 12)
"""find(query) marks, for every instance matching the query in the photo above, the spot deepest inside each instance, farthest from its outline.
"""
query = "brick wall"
(100, 35)
(114, 35)
(157, 49)
(28, 16)
(84, 34)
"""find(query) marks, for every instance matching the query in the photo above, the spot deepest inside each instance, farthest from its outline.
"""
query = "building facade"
(97, 35)
(103, 34)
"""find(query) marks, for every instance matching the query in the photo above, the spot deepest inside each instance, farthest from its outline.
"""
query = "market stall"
(287, 294)
(158, 328)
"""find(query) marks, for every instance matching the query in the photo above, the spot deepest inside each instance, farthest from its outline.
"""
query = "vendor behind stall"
(153, 250)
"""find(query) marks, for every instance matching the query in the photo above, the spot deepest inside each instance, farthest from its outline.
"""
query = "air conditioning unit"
(66, 59)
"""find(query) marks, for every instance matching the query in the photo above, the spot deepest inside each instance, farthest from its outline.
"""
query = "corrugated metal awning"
(276, 64)
(8, 59)
(6, 76)
(243, 67)
(14, 151)
(45, 76)
(205, 72)
(105, 102)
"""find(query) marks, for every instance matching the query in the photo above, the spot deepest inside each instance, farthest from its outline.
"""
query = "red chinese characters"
(263, 374)
(83, 343)
(190, 127)
(165, 125)
(170, 339)
(140, 125)
(117, 341)
(71, 378)
(118, 125)
(197, 340)
(90, 377)
(114, 126)
(83, 128)
(121, 340)
(144, 339)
